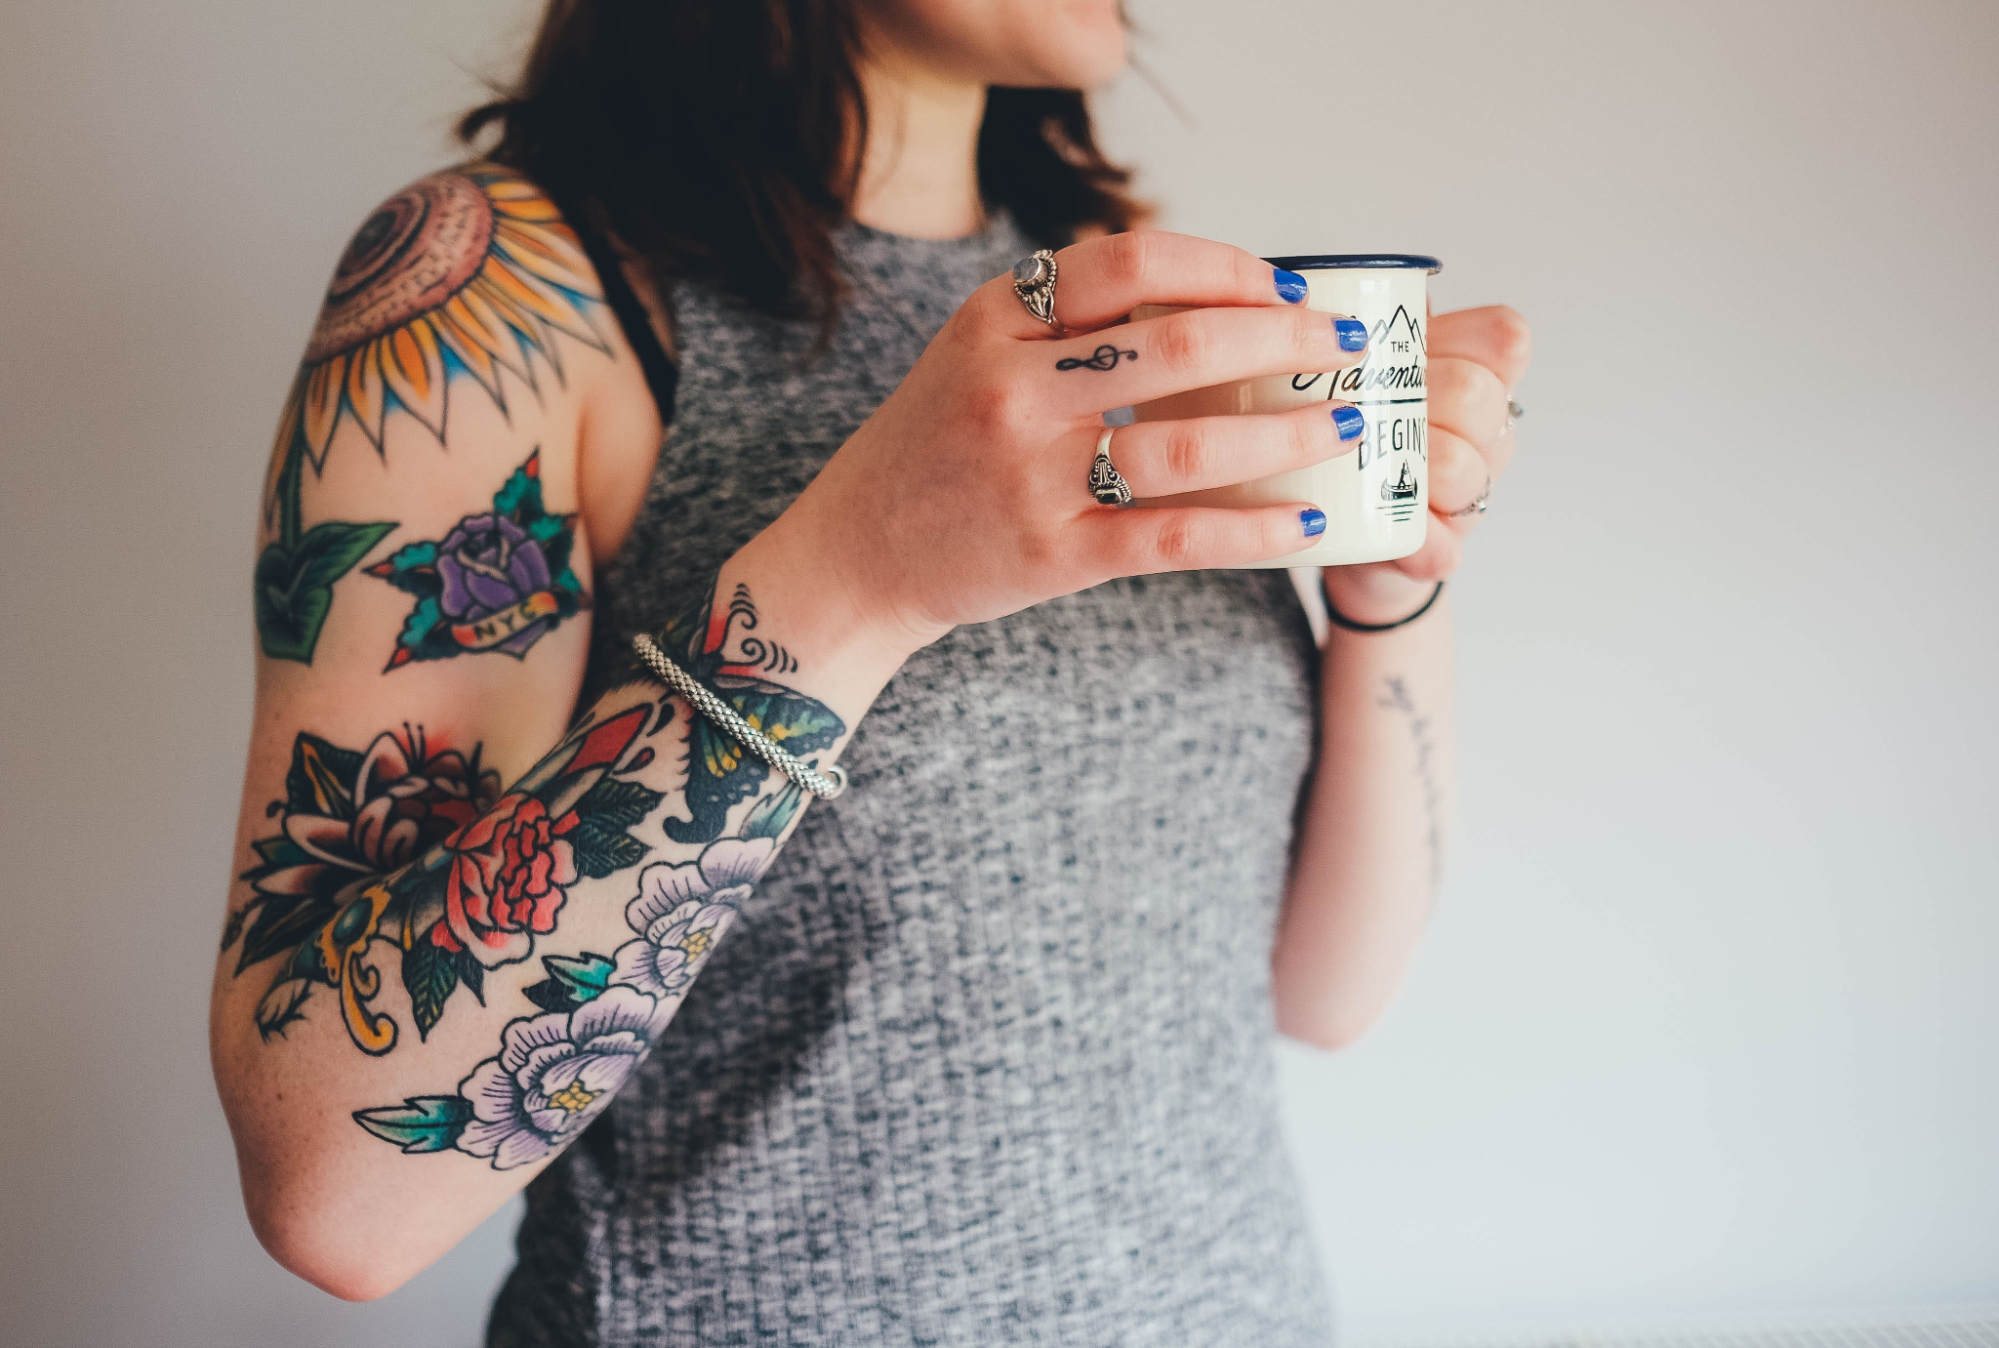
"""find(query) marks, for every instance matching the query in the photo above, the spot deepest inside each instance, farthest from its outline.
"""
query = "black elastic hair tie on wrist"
(1346, 624)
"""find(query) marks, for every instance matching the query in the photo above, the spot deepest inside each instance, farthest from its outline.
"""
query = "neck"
(919, 174)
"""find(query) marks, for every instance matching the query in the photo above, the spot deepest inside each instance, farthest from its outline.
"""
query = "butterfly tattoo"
(722, 651)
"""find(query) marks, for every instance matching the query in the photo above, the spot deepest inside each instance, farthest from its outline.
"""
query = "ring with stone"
(1107, 484)
(1034, 282)
(1477, 507)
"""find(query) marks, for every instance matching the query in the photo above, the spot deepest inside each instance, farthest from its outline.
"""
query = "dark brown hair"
(722, 137)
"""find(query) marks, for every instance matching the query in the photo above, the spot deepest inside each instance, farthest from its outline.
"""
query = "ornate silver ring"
(1477, 507)
(1034, 282)
(1107, 484)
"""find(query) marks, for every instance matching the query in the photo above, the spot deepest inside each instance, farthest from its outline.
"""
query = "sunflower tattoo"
(470, 272)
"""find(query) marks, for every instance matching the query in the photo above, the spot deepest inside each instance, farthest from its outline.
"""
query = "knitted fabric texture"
(988, 1058)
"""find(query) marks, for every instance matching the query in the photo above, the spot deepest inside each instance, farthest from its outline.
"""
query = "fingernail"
(1313, 520)
(1120, 416)
(1291, 287)
(1349, 422)
(1352, 334)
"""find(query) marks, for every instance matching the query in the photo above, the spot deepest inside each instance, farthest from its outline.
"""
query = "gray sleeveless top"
(987, 1059)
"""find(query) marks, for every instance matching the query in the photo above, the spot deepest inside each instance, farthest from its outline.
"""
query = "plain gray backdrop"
(1708, 1021)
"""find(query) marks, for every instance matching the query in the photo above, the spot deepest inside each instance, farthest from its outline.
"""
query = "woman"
(718, 347)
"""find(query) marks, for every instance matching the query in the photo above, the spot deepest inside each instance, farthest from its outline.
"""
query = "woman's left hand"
(1476, 359)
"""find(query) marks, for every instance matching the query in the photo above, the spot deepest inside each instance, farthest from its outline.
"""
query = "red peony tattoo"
(508, 871)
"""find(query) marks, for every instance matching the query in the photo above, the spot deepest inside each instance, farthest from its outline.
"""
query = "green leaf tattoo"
(570, 982)
(422, 1123)
(430, 974)
(295, 573)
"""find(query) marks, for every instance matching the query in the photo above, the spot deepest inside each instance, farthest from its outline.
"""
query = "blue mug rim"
(1368, 261)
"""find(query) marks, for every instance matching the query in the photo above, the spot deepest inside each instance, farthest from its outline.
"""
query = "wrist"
(1374, 594)
(845, 651)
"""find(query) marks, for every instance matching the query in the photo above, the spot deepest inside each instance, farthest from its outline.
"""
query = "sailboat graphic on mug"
(1403, 488)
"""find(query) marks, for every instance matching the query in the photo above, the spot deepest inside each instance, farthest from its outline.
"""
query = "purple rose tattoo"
(489, 564)
(499, 581)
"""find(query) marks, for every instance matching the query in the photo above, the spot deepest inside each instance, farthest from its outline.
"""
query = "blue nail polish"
(1120, 416)
(1314, 522)
(1349, 422)
(1352, 334)
(1291, 287)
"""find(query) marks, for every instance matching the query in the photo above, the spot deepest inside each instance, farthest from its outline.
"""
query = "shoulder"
(469, 272)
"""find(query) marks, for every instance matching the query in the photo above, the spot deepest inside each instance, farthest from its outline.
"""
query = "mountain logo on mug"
(1394, 365)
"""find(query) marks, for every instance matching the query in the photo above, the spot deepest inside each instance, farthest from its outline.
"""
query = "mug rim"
(1357, 261)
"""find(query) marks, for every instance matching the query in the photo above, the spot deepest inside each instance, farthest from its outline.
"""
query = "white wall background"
(1708, 1024)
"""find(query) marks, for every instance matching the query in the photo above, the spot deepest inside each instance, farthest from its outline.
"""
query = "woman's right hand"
(965, 496)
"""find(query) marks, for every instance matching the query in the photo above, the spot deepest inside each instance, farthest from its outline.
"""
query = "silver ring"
(1107, 484)
(1034, 282)
(1477, 507)
(1514, 411)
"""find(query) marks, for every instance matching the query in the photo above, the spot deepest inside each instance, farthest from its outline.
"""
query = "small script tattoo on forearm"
(1397, 698)
(1104, 357)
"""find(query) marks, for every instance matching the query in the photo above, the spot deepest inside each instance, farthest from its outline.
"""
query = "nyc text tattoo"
(499, 581)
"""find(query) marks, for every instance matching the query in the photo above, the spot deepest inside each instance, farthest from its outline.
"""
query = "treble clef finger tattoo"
(1104, 357)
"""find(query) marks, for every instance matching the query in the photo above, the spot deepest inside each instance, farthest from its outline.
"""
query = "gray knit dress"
(987, 1059)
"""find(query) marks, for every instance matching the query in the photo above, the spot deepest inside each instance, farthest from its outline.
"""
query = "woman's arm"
(443, 938)
(1371, 849)
(430, 984)
(489, 999)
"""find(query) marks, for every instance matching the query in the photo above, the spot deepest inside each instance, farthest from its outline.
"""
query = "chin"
(1094, 43)
(1063, 44)
(1082, 45)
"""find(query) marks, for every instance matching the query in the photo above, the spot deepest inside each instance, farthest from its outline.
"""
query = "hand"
(1476, 359)
(964, 497)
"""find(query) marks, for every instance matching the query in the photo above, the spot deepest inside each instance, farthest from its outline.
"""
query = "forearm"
(1372, 839)
(481, 1005)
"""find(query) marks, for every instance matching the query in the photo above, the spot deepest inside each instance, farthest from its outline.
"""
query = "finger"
(1495, 337)
(1466, 399)
(1437, 559)
(1458, 472)
(1165, 458)
(1145, 540)
(1499, 453)
(1460, 524)
(1193, 349)
(1099, 281)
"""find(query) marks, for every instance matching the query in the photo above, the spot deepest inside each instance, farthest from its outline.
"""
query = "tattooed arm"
(441, 962)
(1371, 850)
(429, 985)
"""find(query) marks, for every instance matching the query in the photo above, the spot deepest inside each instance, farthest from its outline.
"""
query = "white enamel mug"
(1377, 496)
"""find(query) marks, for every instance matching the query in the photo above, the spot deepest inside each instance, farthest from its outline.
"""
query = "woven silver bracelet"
(824, 785)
